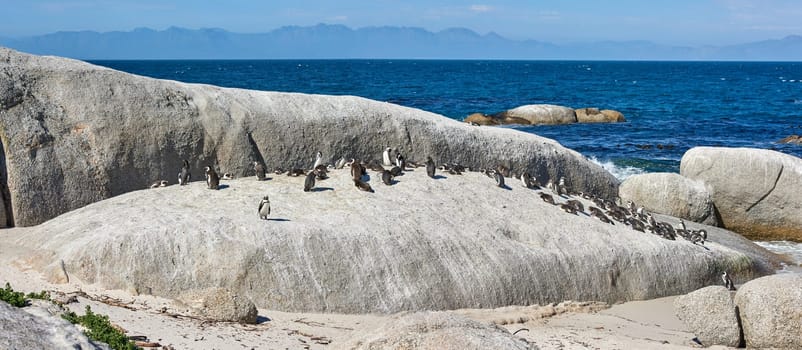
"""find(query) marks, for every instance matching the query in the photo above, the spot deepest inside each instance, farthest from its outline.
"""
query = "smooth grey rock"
(710, 314)
(33, 327)
(75, 133)
(756, 191)
(421, 244)
(771, 311)
(436, 331)
(541, 114)
(670, 194)
(220, 304)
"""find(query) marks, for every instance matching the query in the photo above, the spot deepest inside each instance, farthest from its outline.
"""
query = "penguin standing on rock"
(309, 183)
(212, 179)
(264, 208)
(727, 281)
(184, 176)
(260, 171)
(430, 167)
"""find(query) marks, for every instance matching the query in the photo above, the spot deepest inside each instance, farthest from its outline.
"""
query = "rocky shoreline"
(457, 240)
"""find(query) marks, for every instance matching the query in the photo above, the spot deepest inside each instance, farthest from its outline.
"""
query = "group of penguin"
(605, 210)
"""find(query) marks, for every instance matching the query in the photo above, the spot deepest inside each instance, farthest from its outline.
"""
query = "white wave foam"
(620, 172)
(792, 250)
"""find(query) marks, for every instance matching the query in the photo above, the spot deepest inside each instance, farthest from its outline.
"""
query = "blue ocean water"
(676, 105)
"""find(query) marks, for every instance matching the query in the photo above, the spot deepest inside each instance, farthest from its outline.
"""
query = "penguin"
(561, 188)
(399, 161)
(632, 207)
(650, 220)
(321, 172)
(184, 176)
(412, 164)
(503, 170)
(340, 163)
(576, 204)
(296, 172)
(318, 159)
(357, 171)
(278, 171)
(527, 180)
(160, 183)
(362, 186)
(637, 225)
(386, 157)
(568, 208)
(387, 178)
(212, 179)
(547, 198)
(264, 208)
(228, 176)
(727, 281)
(309, 183)
(499, 179)
(375, 167)
(550, 185)
(260, 171)
(603, 217)
(396, 171)
(594, 210)
(429, 167)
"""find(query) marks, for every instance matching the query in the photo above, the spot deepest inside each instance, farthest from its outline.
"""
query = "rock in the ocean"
(792, 139)
(34, 328)
(436, 331)
(540, 114)
(482, 119)
(710, 314)
(771, 311)
(670, 194)
(594, 115)
(756, 191)
(80, 133)
(220, 304)
(335, 250)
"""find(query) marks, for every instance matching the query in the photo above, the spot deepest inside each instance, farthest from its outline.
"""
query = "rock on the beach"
(670, 194)
(771, 311)
(796, 139)
(482, 119)
(220, 304)
(337, 249)
(541, 114)
(710, 314)
(34, 328)
(436, 331)
(756, 191)
(75, 133)
(594, 115)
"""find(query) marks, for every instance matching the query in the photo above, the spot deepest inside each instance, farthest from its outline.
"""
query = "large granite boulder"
(594, 115)
(74, 133)
(436, 331)
(457, 241)
(771, 311)
(710, 314)
(540, 114)
(670, 194)
(756, 191)
(33, 327)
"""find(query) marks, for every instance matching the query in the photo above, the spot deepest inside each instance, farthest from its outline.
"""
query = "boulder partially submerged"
(670, 194)
(457, 241)
(546, 114)
(74, 133)
(755, 191)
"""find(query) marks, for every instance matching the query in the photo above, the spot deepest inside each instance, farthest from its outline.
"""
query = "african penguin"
(228, 176)
(547, 198)
(363, 186)
(309, 183)
(184, 176)
(387, 178)
(260, 171)
(318, 159)
(727, 281)
(499, 179)
(264, 208)
(340, 163)
(527, 180)
(396, 171)
(430, 167)
(386, 157)
(399, 161)
(212, 180)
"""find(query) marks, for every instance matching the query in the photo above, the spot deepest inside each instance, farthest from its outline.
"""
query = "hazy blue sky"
(684, 22)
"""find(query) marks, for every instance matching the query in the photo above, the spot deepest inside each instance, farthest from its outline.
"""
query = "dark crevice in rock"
(779, 174)
(255, 153)
(5, 194)
(741, 339)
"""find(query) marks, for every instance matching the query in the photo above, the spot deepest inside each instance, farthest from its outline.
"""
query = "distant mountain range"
(338, 41)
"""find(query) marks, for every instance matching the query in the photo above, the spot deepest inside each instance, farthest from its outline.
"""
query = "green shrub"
(99, 329)
(14, 298)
